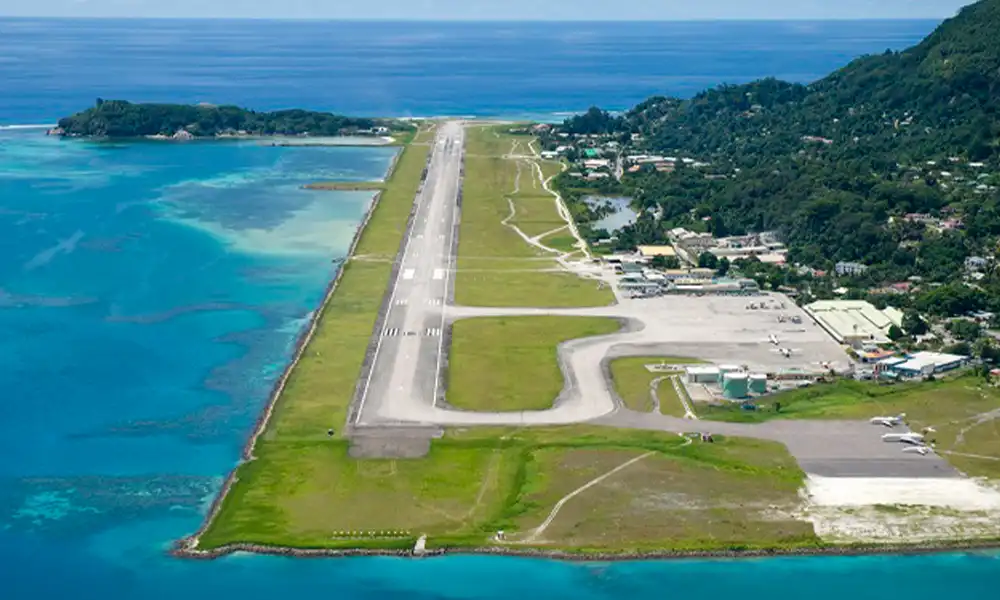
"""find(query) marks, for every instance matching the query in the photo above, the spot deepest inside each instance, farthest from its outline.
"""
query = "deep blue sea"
(150, 293)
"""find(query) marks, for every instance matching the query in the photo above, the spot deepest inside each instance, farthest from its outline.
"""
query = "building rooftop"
(656, 250)
(703, 370)
(924, 361)
(852, 320)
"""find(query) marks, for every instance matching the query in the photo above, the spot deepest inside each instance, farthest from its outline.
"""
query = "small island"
(122, 119)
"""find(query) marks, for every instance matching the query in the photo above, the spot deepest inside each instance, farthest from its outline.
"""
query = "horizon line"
(448, 20)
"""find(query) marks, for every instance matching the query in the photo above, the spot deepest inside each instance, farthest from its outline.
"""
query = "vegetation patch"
(476, 481)
(700, 497)
(632, 379)
(539, 289)
(488, 196)
(510, 363)
(320, 387)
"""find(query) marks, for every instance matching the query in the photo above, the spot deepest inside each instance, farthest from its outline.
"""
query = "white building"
(975, 263)
(854, 322)
(850, 268)
(926, 363)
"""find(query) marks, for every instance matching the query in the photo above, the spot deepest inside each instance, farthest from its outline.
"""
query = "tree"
(895, 333)
(962, 348)
(665, 262)
(989, 353)
(707, 260)
(723, 267)
(964, 329)
(912, 324)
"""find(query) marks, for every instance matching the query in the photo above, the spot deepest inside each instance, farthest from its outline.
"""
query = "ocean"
(150, 293)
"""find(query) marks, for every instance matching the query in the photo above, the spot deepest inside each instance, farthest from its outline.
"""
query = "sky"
(490, 9)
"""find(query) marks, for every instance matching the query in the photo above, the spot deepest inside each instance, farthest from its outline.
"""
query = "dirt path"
(683, 397)
(976, 421)
(562, 502)
(653, 385)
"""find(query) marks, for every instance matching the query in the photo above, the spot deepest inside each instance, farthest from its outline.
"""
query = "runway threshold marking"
(409, 273)
(439, 273)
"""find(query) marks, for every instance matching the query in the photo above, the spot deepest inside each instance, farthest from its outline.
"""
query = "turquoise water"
(150, 293)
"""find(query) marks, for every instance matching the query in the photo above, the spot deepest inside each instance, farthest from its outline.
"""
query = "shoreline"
(274, 141)
(855, 550)
(190, 542)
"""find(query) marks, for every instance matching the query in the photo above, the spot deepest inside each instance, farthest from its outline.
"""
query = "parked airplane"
(888, 421)
(773, 338)
(904, 438)
(921, 450)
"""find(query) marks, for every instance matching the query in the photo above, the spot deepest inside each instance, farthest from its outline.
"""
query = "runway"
(407, 358)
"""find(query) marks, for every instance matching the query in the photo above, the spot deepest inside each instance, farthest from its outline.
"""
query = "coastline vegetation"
(321, 385)
(121, 119)
(510, 363)
(477, 481)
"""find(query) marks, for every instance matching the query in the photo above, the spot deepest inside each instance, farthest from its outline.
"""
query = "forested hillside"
(828, 164)
(117, 118)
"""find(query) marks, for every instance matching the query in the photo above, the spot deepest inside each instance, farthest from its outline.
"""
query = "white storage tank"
(758, 383)
(735, 385)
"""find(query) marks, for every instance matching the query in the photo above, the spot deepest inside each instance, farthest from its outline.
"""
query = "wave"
(12, 127)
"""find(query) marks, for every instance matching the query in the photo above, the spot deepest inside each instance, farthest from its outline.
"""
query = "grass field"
(632, 380)
(527, 288)
(509, 363)
(705, 499)
(476, 481)
(319, 390)
(964, 411)
(561, 240)
(488, 194)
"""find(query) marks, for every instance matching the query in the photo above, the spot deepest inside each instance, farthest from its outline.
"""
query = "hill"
(120, 119)
(830, 164)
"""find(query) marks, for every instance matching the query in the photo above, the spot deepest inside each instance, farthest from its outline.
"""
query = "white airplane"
(786, 352)
(921, 450)
(773, 338)
(904, 438)
(888, 421)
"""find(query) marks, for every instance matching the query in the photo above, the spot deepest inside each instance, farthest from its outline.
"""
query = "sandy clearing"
(954, 493)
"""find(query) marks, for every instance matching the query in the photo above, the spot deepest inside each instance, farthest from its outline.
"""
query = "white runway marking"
(409, 273)
(438, 273)
(432, 331)
(390, 331)
(402, 302)
(434, 302)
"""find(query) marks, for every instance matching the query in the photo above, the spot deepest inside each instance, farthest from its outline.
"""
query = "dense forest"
(833, 165)
(117, 118)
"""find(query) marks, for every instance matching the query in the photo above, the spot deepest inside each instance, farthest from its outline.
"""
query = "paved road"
(408, 350)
